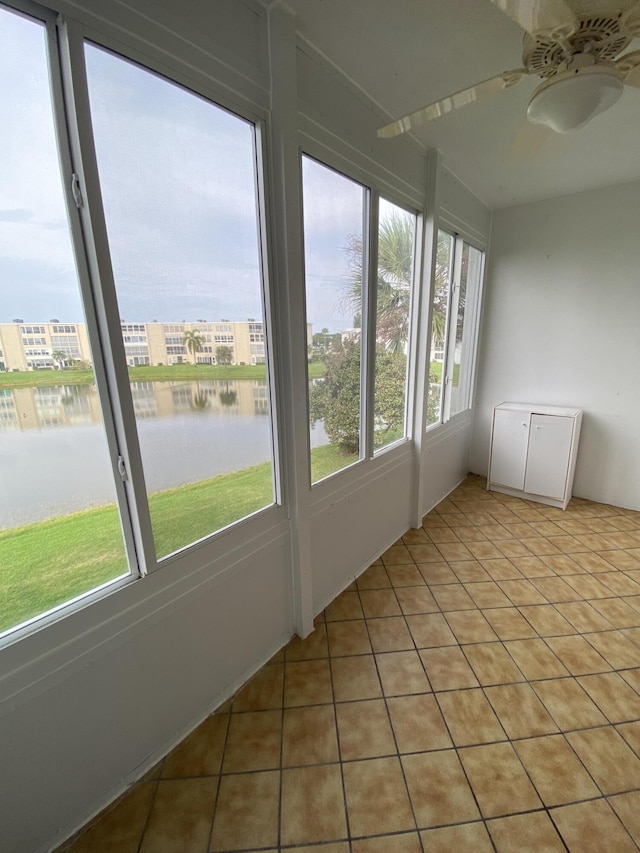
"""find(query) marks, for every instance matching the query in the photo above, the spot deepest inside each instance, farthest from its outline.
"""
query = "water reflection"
(75, 405)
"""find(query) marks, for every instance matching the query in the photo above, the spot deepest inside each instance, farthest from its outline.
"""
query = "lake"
(53, 454)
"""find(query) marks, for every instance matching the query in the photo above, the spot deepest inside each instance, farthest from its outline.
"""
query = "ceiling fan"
(576, 53)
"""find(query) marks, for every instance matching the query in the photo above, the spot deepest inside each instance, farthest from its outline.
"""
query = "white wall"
(561, 326)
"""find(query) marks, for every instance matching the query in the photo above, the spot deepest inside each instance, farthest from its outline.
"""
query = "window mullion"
(368, 324)
(92, 252)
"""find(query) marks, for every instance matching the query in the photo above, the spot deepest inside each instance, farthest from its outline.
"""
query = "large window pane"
(60, 532)
(463, 345)
(334, 213)
(439, 317)
(178, 179)
(396, 235)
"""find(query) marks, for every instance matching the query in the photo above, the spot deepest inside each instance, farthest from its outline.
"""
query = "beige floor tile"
(498, 780)
(632, 677)
(263, 692)
(470, 718)
(246, 812)
(464, 836)
(312, 805)
(555, 589)
(377, 799)
(337, 847)
(592, 828)
(307, 683)
(469, 571)
(470, 626)
(181, 816)
(513, 548)
(199, 754)
(469, 533)
(540, 546)
(525, 832)
(615, 648)
(568, 704)
(520, 711)
(416, 599)
(402, 673)
(485, 550)
(508, 623)
(437, 573)
(588, 586)
(546, 620)
(591, 562)
(633, 601)
(487, 594)
(396, 554)
(379, 602)
(427, 553)
(577, 655)
(439, 790)
(390, 634)
(583, 617)
(405, 842)
(355, 678)
(375, 577)
(633, 635)
(415, 536)
(452, 597)
(531, 567)
(521, 592)
(364, 730)
(345, 606)
(615, 698)
(608, 759)
(430, 629)
(348, 638)
(627, 807)
(448, 668)
(535, 659)
(452, 551)
(631, 733)
(253, 742)
(501, 569)
(405, 575)
(418, 723)
(618, 613)
(309, 736)
(621, 559)
(312, 647)
(562, 564)
(492, 663)
(120, 828)
(555, 770)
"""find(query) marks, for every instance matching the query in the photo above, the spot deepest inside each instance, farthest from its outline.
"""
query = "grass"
(164, 373)
(49, 562)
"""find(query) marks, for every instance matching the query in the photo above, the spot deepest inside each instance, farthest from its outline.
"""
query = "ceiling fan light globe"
(571, 99)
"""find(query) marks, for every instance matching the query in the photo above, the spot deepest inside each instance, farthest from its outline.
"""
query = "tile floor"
(477, 689)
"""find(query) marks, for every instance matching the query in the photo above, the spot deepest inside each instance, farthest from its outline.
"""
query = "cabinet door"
(509, 448)
(548, 458)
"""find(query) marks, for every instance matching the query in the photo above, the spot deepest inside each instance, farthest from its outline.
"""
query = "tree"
(224, 355)
(60, 358)
(336, 399)
(193, 340)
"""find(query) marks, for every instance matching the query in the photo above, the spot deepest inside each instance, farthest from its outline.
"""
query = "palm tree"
(395, 265)
(60, 357)
(193, 340)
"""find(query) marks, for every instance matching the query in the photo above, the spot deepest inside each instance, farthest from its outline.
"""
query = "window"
(454, 327)
(334, 228)
(167, 259)
(176, 219)
(396, 240)
(60, 533)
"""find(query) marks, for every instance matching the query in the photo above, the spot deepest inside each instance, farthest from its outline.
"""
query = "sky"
(177, 178)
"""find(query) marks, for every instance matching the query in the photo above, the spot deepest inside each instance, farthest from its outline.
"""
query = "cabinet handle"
(524, 423)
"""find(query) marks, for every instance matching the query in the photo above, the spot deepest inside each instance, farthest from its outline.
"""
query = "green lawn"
(49, 562)
(174, 373)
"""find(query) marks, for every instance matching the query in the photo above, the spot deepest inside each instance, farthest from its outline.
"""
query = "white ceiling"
(407, 53)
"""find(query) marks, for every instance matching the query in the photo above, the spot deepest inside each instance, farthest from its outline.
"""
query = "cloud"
(17, 214)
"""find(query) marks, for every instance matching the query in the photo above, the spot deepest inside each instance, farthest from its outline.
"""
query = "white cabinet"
(533, 452)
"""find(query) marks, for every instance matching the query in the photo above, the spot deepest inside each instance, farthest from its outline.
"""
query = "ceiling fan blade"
(551, 18)
(630, 21)
(452, 102)
(629, 68)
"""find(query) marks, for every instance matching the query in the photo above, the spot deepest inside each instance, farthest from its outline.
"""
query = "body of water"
(53, 453)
